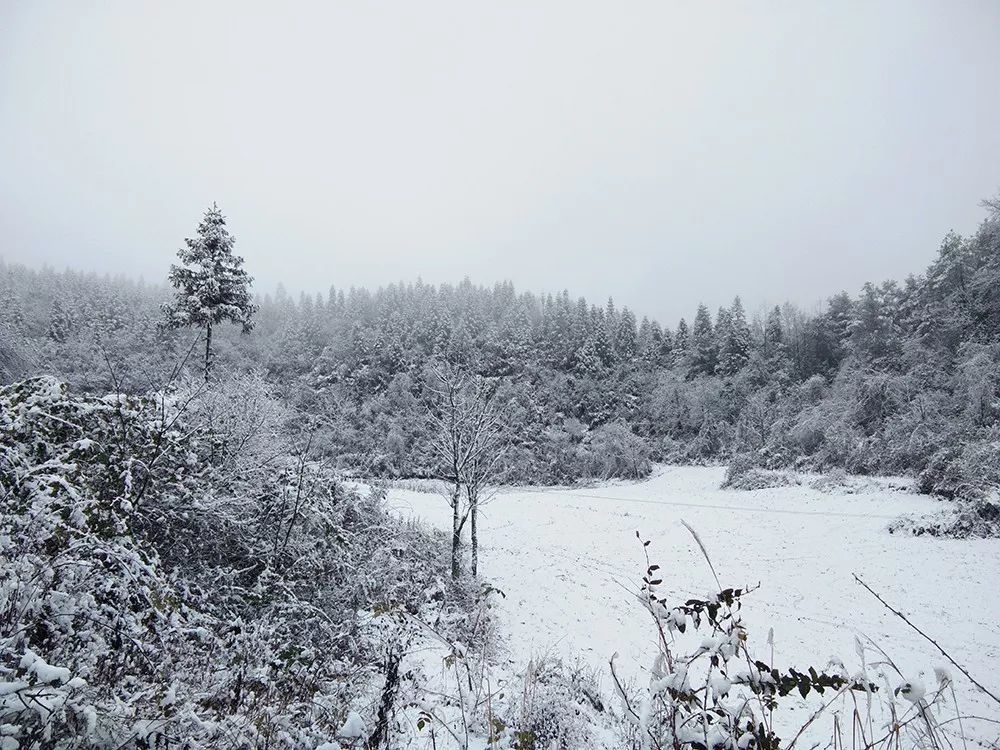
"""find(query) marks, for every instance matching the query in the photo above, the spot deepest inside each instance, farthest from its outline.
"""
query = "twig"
(937, 645)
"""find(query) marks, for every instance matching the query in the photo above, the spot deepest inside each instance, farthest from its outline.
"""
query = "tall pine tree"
(211, 285)
(703, 352)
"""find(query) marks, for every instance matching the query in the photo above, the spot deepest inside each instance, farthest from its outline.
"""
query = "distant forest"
(901, 378)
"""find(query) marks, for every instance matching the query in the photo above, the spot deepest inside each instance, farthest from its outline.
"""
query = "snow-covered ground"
(569, 563)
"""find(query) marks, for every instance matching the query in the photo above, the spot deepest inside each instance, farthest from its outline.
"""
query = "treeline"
(900, 378)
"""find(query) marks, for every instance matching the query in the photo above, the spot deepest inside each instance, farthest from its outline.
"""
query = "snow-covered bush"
(970, 519)
(613, 450)
(158, 587)
(760, 479)
(965, 471)
(559, 708)
(744, 473)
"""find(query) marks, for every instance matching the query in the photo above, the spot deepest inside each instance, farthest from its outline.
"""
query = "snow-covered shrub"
(613, 450)
(744, 473)
(560, 708)
(966, 471)
(839, 482)
(761, 479)
(969, 519)
(426, 486)
(153, 592)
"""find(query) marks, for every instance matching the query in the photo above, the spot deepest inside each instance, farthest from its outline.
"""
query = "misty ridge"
(521, 454)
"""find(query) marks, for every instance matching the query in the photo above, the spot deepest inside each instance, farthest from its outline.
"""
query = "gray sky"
(663, 153)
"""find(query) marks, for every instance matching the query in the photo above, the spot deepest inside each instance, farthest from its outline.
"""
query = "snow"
(45, 673)
(569, 563)
(353, 727)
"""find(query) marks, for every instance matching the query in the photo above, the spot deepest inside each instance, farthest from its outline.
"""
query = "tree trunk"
(456, 534)
(474, 501)
(208, 350)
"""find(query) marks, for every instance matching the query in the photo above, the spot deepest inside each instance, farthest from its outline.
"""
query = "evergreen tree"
(681, 338)
(666, 342)
(602, 339)
(60, 322)
(611, 321)
(723, 327)
(211, 285)
(735, 340)
(703, 351)
(626, 338)
(773, 344)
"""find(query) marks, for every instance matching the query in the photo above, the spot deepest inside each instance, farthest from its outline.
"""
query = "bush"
(561, 708)
(974, 519)
(744, 473)
(968, 471)
(613, 450)
(154, 586)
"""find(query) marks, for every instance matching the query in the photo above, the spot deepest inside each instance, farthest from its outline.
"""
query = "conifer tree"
(211, 285)
(602, 338)
(60, 322)
(703, 347)
(774, 338)
(735, 340)
(666, 343)
(681, 338)
(648, 344)
(626, 343)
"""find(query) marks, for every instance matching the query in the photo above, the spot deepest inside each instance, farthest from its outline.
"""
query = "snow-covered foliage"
(743, 474)
(211, 284)
(977, 519)
(558, 707)
(901, 378)
(839, 482)
(177, 570)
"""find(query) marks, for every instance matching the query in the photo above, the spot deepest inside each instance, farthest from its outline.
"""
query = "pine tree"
(703, 347)
(666, 344)
(603, 347)
(648, 343)
(681, 338)
(723, 327)
(734, 340)
(626, 344)
(581, 323)
(60, 322)
(774, 337)
(211, 285)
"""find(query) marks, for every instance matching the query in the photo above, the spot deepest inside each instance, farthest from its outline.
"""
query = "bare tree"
(469, 437)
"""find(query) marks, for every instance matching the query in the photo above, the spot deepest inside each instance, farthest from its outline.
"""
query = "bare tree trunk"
(208, 350)
(381, 732)
(474, 505)
(456, 534)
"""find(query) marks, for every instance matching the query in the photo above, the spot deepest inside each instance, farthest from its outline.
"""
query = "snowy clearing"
(568, 558)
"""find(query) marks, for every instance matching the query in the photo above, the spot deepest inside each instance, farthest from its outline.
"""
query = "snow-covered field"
(569, 563)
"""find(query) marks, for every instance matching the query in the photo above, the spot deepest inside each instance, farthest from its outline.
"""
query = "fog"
(661, 153)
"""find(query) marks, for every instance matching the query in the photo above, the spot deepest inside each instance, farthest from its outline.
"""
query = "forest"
(900, 377)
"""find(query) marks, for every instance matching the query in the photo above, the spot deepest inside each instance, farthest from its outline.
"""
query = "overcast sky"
(663, 153)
